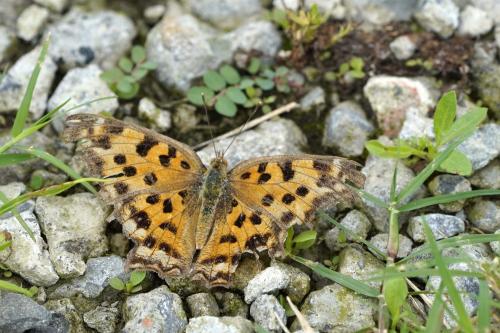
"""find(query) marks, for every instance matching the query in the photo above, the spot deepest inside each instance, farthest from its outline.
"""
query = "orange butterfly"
(188, 219)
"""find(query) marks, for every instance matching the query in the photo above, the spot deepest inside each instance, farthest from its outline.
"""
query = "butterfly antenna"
(208, 122)
(242, 128)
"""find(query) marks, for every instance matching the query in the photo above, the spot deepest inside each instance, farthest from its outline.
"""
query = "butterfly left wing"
(266, 196)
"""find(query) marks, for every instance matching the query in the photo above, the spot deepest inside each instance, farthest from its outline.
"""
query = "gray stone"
(487, 82)
(347, 129)
(75, 228)
(356, 222)
(483, 146)
(485, 215)
(260, 36)
(96, 278)
(403, 47)
(158, 119)
(275, 137)
(416, 125)
(264, 311)
(380, 12)
(449, 184)
(300, 282)
(159, 310)
(67, 310)
(378, 172)
(313, 100)
(487, 177)
(103, 319)
(333, 8)
(31, 22)
(82, 85)
(28, 258)
(7, 43)
(380, 242)
(338, 309)
(10, 10)
(154, 13)
(186, 117)
(359, 265)
(439, 16)
(81, 38)
(270, 280)
(183, 49)
(208, 324)
(231, 304)
(391, 97)
(225, 14)
(19, 314)
(13, 190)
(474, 22)
(55, 5)
(441, 225)
(13, 86)
(202, 304)
(495, 246)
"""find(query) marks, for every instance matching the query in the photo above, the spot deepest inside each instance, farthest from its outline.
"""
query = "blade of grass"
(18, 216)
(353, 235)
(346, 281)
(434, 319)
(9, 159)
(416, 182)
(456, 241)
(58, 164)
(15, 288)
(422, 272)
(24, 108)
(484, 309)
(447, 280)
(51, 190)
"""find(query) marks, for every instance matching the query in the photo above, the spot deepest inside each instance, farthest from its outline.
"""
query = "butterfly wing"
(268, 195)
(152, 184)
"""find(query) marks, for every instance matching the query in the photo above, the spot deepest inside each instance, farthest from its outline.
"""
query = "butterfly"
(190, 219)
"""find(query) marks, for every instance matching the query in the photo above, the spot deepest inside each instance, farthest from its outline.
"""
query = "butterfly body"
(188, 219)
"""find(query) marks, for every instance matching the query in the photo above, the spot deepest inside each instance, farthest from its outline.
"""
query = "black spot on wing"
(286, 170)
(145, 145)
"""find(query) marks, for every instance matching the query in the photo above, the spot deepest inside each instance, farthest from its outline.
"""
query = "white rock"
(441, 225)
(269, 280)
(13, 86)
(31, 22)
(332, 8)
(492, 7)
(82, 85)
(264, 311)
(482, 146)
(380, 241)
(379, 12)
(495, 246)
(28, 258)
(226, 14)
(160, 120)
(416, 125)
(403, 47)
(154, 13)
(209, 324)
(75, 229)
(439, 16)
(55, 5)
(474, 22)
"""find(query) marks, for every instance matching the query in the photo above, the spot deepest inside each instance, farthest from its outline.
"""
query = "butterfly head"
(219, 163)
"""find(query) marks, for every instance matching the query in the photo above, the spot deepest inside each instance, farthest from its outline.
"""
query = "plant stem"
(393, 244)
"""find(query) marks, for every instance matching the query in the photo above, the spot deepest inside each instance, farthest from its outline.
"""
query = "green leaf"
(484, 310)
(400, 151)
(444, 115)
(36, 182)
(289, 240)
(15, 288)
(139, 73)
(264, 84)
(225, 106)
(246, 83)
(357, 63)
(434, 319)
(395, 292)
(117, 283)
(266, 109)
(467, 123)
(137, 277)
(447, 280)
(195, 95)
(9, 159)
(281, 70)
(457, 163)
(128, 94)
(124, 86)
(214, 80)
(135, 289)
(149, 65)
(344, 280)
(254, 66)
(126, 64)
(236, 95)
(230, 74)
(23, 111)
(112, 75)
(138, 54)
(305, 239)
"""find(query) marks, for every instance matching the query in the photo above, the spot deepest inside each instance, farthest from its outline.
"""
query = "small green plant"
(446, 129)
(133, 285)
(125, 79)
(226, 88)
(419, 62)
(295, 243)
(353, 69)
